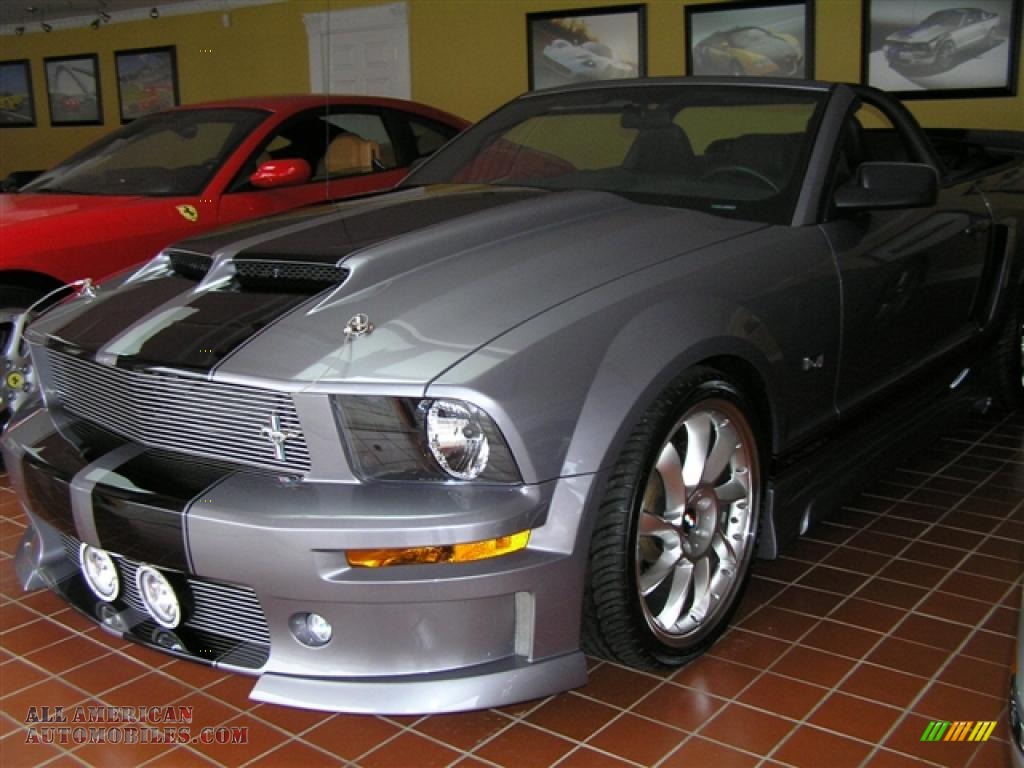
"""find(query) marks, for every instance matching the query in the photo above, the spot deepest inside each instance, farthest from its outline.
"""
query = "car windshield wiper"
(57, 190)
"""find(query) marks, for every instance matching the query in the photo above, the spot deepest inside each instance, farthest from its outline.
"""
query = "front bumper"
(910, 54)
(248, 550)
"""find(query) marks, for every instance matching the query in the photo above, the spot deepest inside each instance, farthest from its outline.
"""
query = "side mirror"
(886, 186)
(281, 173)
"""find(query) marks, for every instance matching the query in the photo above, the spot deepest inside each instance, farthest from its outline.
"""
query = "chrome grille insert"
(216, 608)
(176, 413)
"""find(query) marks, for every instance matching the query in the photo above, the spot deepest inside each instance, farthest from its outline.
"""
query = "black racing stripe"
(100, 323)
(50, 465)
(219, 323)
(139, 508)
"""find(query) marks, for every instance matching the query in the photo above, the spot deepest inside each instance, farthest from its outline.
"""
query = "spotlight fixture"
(154, 13)
(95, 23)
(19, 31)
(105, 16)
(46, 27)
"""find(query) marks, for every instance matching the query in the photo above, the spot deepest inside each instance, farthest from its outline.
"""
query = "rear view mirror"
(884, 186)
(281, 173)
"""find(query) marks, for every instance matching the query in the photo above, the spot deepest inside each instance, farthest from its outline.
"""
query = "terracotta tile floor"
(899, 611)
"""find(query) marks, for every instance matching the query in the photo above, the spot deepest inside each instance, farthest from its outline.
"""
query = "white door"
(360, 50)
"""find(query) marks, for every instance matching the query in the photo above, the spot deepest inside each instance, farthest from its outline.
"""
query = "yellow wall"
(468, 56)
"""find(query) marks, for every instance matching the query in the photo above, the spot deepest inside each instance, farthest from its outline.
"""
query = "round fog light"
(99, 571)
(311, 629)
(158, 597)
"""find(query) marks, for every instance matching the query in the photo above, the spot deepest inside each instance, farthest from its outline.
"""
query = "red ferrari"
(177, 173)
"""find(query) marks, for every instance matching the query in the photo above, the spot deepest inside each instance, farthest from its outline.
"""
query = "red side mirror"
(281, 173)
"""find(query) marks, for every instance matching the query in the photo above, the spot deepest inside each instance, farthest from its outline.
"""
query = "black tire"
(15, 296)
(630, 606)
(1006, 372)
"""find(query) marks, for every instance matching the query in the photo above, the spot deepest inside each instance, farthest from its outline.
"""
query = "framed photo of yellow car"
(17, 109)
(755, 39)
(586, 44)
(929, 49)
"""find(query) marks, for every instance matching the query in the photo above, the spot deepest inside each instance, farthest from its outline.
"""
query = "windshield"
(170, 153)
(737, 151)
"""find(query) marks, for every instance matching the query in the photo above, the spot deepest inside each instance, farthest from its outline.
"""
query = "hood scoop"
(263, 273)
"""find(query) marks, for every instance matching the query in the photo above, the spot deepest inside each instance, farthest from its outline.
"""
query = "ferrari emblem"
(15, 380)
(188, 212)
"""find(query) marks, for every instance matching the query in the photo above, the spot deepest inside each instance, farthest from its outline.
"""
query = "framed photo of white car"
(586, 44)
(929, 49)
(755, 39)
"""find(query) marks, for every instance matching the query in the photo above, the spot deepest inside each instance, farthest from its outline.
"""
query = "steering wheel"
(745, 170)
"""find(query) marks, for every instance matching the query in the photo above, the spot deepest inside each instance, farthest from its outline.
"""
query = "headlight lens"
(457, 439)
(158, 596)
(391, 438)
(100, 572)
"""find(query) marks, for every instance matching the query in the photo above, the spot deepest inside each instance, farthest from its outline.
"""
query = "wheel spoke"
(725, 449)
(670, 469)
(725, 551)
(655, 527)
(731, 490)
(698, 441)
(682, 577)
(656, 574)
(701, 605)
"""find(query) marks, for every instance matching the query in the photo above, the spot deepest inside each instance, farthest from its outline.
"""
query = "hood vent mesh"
(264, 275)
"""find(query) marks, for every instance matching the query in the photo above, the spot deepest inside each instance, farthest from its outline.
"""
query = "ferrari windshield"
(738, 151)
(170, 153)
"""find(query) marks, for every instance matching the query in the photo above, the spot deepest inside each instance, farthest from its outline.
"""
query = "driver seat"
(349, 154)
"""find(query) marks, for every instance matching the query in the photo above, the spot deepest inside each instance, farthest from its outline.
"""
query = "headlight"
(158, 597)
(99, 571)
(457, 439)
(392, 438)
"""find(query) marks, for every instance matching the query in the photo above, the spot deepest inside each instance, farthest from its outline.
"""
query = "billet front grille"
(192, 416)
(218, 609)
(192, 266)
(287, 276)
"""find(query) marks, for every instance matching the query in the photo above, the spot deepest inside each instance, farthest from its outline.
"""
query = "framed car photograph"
(147, 81)
(756, 39)
(73, 90)
(17, 109)
(928, 49)
(586, 44)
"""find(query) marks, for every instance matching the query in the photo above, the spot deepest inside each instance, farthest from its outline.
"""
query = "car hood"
(437, 272)
(922, 33)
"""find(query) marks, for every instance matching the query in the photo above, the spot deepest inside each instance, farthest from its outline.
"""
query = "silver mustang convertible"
(418, 452)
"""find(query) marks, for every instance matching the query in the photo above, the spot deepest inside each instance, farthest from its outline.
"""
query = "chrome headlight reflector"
(100, 572)
(393, 438)
(158, 596)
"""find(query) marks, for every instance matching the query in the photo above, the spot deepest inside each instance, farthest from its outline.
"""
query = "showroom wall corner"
(468, 57)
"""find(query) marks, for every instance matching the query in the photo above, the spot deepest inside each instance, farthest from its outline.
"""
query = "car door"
(911, 278)
(317, 136)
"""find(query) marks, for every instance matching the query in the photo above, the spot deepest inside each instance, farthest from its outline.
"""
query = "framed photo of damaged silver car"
(755, 39)
(930, 49)
(586, 44)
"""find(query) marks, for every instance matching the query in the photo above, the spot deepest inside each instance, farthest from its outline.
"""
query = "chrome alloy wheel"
(18, 381)
(697, 522)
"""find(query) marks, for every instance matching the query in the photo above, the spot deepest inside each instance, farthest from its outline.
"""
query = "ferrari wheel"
(673, 545)
(17, 381)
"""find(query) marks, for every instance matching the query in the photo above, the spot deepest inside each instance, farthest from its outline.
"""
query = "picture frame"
(586, 44)
(938, 49)
(73, 89)
(147, 81)
(751, 39)
(17, 104)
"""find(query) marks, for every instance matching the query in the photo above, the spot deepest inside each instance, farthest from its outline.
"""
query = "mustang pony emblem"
(359, 325)
(276, 437)
(188, 212)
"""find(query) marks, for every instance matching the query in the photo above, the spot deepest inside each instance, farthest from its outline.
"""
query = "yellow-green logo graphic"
(961, 730)
(188, 212)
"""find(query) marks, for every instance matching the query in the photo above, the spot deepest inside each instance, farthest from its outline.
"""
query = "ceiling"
(62, 14)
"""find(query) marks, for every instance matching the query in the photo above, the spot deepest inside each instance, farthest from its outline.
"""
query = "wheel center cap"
(699, 521)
